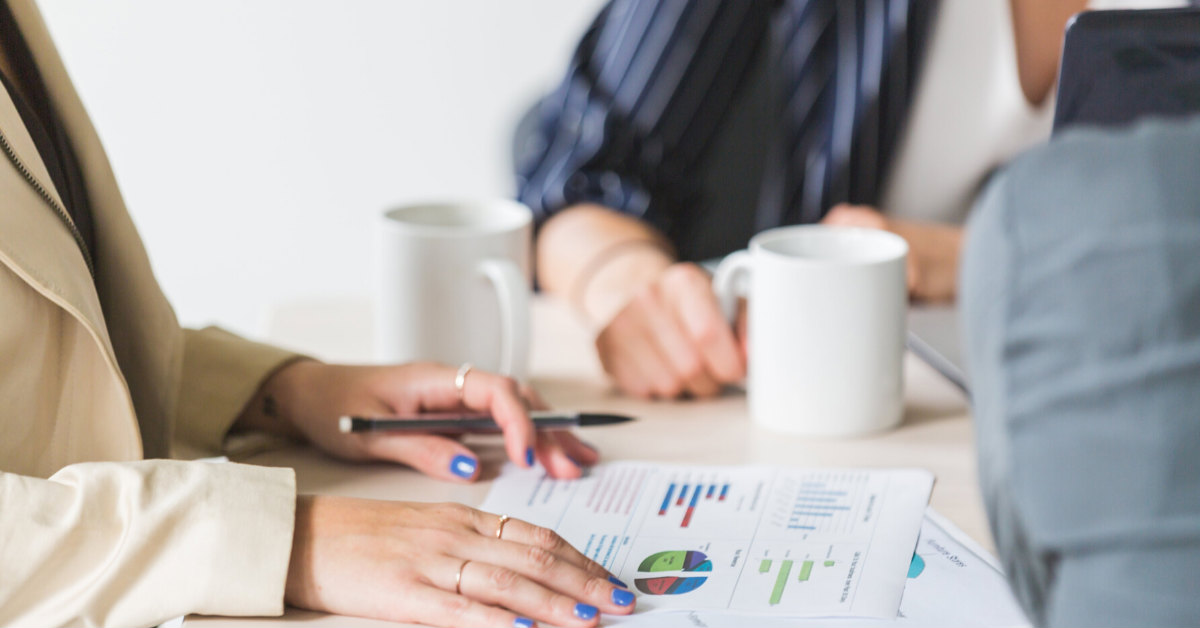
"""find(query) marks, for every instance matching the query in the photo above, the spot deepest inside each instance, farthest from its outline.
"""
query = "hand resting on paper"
(441, 564)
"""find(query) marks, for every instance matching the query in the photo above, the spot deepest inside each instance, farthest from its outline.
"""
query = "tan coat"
(93, 378)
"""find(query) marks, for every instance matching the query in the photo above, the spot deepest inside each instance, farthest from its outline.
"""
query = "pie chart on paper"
(672, 572)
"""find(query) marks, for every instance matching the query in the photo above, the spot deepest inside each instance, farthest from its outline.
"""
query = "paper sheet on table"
(750, 540)
(952, 583)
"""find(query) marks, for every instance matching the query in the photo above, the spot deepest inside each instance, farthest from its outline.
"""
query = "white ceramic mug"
(826, 326)
(455, 283)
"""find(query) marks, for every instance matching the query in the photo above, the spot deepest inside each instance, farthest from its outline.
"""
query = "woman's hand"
(441, 564)
(933, 249)
(671, 339)
(660, 333)
(306, 398)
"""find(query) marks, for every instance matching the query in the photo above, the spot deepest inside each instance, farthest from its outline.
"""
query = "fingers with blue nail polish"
(523, 622)
(562, 455)
(621, 597)
(614, 580)
(585, 611)
(464, 466)
(529, 457)
(534, 573)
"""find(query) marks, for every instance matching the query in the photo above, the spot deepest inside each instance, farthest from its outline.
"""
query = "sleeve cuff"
(247, 518)
(221, 373)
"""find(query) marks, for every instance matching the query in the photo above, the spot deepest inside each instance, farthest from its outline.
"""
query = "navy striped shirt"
(652, 81)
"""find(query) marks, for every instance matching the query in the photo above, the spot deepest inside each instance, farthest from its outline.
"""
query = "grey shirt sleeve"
(1081, 306)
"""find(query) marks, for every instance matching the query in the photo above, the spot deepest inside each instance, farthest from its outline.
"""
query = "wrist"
(296, 588)
(275, 406)
(612, 284)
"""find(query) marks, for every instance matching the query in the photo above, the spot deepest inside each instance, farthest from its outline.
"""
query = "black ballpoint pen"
(473, 422)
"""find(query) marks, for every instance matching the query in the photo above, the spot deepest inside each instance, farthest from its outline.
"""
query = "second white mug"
(826, 326)
(455, 284)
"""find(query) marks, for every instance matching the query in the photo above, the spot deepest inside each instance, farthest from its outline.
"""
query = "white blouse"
(969, 115)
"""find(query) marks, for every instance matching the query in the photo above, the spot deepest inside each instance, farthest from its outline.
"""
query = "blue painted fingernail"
(574, 462)
(614, 580)
(522, 622)
(585, 611)
(621, 597)
(529, 457)
(463, 466)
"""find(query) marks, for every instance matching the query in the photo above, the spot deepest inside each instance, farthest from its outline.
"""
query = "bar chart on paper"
(816, 505)
(699, 503)
(823, 503)
(801, 577)
(709, 493)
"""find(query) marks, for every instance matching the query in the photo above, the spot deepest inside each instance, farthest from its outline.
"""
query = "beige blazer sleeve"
(136, 543)
(221, 373)
(95, 373)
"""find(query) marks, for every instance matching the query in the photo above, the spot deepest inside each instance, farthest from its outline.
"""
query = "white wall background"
(256, 141)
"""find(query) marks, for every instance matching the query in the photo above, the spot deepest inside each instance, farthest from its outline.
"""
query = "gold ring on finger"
(458, 578)
(460, 379)
(500, 525)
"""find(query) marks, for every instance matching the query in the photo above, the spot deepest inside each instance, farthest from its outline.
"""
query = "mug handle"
(512, 295)
(729, 282)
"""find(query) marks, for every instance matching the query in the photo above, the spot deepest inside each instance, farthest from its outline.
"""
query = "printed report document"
(748, 540)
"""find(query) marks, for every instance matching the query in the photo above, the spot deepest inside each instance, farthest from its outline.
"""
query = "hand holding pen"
(305, 398)
(474, 423)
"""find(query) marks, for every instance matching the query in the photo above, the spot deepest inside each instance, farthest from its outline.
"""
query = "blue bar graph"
(822, 505)
(667, 500)
(686, 495)
(687, 516)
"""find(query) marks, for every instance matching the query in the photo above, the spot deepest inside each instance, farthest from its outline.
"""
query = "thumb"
(435, 456)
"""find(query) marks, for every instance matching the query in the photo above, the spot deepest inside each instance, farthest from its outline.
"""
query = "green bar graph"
(805, 570)
(764, 566)
(829, 563)
(785, 570)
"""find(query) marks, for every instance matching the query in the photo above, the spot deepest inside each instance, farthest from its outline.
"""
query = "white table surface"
(936, 432)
